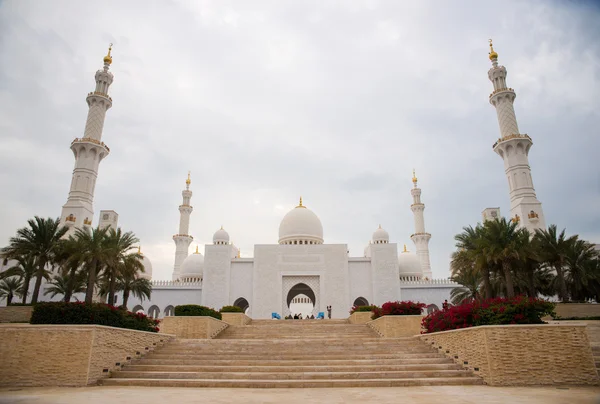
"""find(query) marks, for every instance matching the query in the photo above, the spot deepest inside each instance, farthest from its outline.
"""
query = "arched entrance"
(301, 304)
(361, 301)
(306, 289)
(242, 304)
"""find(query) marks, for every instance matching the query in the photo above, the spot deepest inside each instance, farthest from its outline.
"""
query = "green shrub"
(95, 313)
(231, 309)
(355, 309)
(196, 310)
(20, 304)
(407, 308)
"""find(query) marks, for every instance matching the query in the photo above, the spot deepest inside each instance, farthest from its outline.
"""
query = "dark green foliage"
(196, 310)
(363, 308)
(95, 313)
(231, 309)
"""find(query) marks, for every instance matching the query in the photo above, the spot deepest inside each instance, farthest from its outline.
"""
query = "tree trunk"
(562, 285)
(510, 290)
(38, 282)
(112, 285)
(125, 297)
(9, 298)
(486, 283)
(89, 292)
(26, 281)
(531, 282)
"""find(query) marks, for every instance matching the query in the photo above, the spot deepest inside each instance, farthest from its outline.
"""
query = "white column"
(89, 151)
(183, 239)
(420, 238)
(514, 148)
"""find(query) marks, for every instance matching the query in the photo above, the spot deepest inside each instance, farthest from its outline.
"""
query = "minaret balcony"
(182, 236)
(510, 137)
(101, 94)
(501, 90)
(90, 140)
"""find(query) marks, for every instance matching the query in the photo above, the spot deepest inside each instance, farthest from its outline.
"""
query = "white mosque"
(301, 266)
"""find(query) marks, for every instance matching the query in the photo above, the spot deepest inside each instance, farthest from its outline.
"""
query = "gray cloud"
(265, 101)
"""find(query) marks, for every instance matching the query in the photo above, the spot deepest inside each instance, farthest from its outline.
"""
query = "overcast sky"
(265, 101)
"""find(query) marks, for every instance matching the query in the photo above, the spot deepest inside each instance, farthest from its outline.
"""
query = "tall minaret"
(420, 238)
(89, 151)
(514, 148)
(183, 239)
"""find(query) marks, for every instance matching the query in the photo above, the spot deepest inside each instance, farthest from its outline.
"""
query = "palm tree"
(129, 281)
(69, 261)
(471, 279)
(469, 255)
(24, 271)
(501, 243)
(40, 240)
(62, 284)
(581, 264)
(9, 287)
(554, 249)
(117, 244)
(93, 254)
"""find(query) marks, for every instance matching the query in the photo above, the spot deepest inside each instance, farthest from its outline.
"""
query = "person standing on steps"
(329, 312)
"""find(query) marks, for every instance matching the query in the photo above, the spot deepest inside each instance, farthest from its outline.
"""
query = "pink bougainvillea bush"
(496, 311)
(407, 308)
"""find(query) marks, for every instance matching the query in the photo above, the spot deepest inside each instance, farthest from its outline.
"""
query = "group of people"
(299, 317)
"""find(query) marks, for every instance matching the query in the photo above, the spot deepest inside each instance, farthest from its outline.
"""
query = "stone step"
(400, 374)
(428, 381)
(422, 359)
(279, 323)
(292, 368)
(252, 356)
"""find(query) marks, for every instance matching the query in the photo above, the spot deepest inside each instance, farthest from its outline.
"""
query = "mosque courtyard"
(405, 395)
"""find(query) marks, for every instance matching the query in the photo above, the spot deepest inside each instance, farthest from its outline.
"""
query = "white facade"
(514, 148)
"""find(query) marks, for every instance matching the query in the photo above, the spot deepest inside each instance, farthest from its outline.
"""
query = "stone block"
(397, 326)
(192, 327)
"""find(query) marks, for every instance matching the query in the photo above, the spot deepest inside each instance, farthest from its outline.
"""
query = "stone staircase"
(593, 329)
(294, 353)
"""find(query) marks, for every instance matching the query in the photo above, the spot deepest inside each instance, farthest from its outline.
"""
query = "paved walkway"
(404, 395)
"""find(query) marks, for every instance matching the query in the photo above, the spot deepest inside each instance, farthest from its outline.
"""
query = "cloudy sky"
(265, 101)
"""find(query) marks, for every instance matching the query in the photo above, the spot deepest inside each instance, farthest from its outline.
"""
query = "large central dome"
(300, 226)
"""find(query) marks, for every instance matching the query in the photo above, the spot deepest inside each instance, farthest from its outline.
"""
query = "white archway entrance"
(300, 285)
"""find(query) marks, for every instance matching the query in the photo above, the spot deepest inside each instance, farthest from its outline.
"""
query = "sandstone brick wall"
(360, 317)
(193, 327)
(15, 314)
(236, 318)
(518, 355)
(396, 326)
(67, 355)
(566, 310)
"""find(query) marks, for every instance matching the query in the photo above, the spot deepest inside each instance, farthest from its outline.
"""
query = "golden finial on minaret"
(196, 249)
(414, 178)
(300, 205)
(405, 250)
(140, 250)
(239, 253)
(493, 54)
(189, 180)
(108, 58)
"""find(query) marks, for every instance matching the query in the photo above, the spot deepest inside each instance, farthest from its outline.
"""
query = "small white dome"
(381, 236)
(300, 226)
(221, 237)
(147, 274)
(409, 263)
(192, 267)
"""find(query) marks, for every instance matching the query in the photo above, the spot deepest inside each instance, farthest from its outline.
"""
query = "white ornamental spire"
(514, 148)
(420, 237)
(183, 239)
(89, 151)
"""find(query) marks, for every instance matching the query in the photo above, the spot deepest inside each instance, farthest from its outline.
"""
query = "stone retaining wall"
(236, 318)
(68, 355)
(15, 314)
(517, 355)
(397, 326)
(360, 317)
(192, 327)
(567, 310)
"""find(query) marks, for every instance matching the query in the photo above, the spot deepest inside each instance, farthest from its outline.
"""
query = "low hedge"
(95, 313)
(196, 310)
(497, 311)
(355, 309)
(405, 308)
(231, 309)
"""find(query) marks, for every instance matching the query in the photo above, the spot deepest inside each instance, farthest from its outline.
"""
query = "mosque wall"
(359, 275)
(241, 281)
(272, 263)
(217, 274)
(163, 298)
(428, 295)
(385, 273)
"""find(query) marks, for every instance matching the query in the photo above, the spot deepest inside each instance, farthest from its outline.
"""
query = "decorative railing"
(183, 235)
(416, 280)
(501, 90)
(420, 234)
(179, 284)
(89, 140)
(100, 94)
(513, 136)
